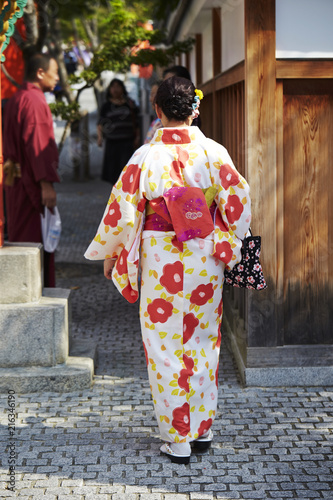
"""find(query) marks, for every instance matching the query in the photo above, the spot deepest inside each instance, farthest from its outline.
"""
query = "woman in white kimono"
(180, 208)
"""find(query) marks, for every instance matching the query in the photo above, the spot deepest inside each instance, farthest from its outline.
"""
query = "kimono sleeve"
(233, 214)
(119, 232)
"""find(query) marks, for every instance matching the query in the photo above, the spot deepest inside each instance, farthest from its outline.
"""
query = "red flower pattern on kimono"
(205, 426)
(121, 266)
(142, 205)
(223, 251)
(178, 244)
(131, 179)
(234, 208)
(172, 277)
(179, 136)
(202, 294)
(113, 215)
(159, 310)
(146, 353)
(130, 294)
(220, 222)
(229, 177)
(190, 323)
(185, 373)
(181, 419)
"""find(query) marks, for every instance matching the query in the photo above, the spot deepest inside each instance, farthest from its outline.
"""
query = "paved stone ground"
(103, 443)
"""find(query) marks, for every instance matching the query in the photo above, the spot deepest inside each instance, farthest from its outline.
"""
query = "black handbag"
(248, 272)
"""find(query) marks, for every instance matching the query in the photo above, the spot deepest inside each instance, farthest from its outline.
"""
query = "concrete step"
(75, 374)
(35, 333)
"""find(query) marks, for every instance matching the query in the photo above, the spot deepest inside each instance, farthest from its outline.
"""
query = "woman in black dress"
(118, 125)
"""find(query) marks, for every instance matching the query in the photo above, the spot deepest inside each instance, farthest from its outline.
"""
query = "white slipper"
(175, 455)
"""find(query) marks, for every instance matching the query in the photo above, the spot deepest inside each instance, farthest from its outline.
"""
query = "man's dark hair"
(178, 71)
(175, 97)
(36, 62)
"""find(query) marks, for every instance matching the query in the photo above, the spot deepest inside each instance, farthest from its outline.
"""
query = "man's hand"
(108, 266)
(49, 195)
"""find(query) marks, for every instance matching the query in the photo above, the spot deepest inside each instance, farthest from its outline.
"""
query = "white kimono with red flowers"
(181, 276)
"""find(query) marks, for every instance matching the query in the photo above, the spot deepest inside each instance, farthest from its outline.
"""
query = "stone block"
(20, 273)
(74, 375)
(35, 334)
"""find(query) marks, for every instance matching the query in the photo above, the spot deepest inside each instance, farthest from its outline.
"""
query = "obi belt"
(188, 211)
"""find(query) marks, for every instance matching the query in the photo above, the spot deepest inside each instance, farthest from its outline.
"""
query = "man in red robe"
(31, 157)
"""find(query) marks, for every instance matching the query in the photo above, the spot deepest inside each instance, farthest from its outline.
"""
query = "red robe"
(29, 140)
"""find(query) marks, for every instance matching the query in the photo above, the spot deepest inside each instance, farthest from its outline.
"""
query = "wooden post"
(261, 164)
(216, 28)
(2, 215)
(217, 40)
(198, 57)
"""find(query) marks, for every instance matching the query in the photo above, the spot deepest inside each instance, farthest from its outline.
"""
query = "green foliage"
(67, 112)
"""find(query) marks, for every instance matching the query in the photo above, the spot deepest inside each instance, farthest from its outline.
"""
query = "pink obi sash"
(183, 210)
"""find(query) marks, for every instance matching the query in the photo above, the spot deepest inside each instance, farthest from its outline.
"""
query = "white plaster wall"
(193, 67)
(304, 29)
(207, 53)
(233, 44)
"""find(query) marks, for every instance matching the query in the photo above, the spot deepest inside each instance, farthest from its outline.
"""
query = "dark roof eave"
(178, 21)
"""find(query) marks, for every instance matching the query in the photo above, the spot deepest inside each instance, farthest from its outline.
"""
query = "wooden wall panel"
(260, 168)
(308, 131)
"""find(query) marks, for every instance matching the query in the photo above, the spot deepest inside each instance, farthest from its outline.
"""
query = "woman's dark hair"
(120, 82)
(36, 62)
(178, 71)
(175, 97)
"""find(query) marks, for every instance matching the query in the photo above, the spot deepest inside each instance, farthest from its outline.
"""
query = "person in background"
(181, 209)
(118, 125)
(156, 123)
(180, 71)
(31, 157)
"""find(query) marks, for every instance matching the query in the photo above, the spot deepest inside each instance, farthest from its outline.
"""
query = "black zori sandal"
(203, 443)
(175, 457)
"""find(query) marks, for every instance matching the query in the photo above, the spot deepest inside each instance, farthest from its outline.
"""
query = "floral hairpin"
(196, 104)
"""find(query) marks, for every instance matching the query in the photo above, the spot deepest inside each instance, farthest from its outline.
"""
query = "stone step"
(20, 273)
(76, 374)
(35, 333)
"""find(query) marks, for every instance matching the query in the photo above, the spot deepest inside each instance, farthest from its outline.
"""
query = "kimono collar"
(174, 135)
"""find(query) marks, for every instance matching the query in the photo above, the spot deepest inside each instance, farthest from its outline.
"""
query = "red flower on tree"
(205, 426)
(228, 176)
(202, 294)
(234, 208)
(190, 323)
(113, 215)
(159, 310)
(172, 277)
(223, 251)
(121, 266)
(181, 419)
(179, 136)
(131, 179)
(185, 373)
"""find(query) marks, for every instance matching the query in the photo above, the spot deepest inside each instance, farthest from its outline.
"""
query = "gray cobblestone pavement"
(103, 443)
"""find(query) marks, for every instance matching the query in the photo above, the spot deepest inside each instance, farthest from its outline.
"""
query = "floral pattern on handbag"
(248, 272)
